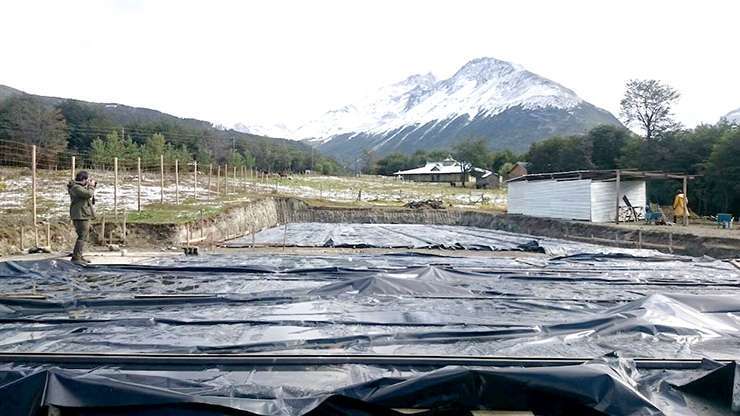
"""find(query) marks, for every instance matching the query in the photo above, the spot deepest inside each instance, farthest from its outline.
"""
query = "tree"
(560, 154)
(367, 161)
(154, 146)
(471, 153)
(647, 104)
(25, 119)
(391, 164)
(85, 123)
(724, 171)
(103, 151)
(607, 143)
(497, 160)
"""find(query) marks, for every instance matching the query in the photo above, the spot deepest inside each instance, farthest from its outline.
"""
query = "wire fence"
(33, 184)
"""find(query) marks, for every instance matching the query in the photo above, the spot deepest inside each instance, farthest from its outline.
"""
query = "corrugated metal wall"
(554, 199)
(603, 198)
(577, 199)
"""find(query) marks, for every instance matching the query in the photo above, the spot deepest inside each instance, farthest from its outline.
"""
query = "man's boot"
(77, 253)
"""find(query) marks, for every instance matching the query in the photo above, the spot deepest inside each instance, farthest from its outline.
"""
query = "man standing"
(81, 210)
(680, 206)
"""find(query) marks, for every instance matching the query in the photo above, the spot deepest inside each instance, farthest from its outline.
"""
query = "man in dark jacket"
(81, 210)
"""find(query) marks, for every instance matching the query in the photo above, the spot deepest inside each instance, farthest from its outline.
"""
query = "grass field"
(181, 202)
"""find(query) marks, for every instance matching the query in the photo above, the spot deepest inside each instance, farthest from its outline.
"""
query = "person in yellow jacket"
(680, 206)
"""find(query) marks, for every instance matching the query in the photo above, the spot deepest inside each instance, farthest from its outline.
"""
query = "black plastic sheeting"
(413, 236)
(605, 386)
(580, 301)
(581, 306)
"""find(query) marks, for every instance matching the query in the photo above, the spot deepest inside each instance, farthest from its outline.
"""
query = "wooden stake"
(73, 168)
(218, 179)
(177, 182)
(210, 173)
(253, 235)
(236, 182)
(23, 237)
(195, 180)
(124, 225)
(33, 192)
(686, 200)
(161, 179)
(48, 235)
(115, 187)
(102, 229)
(138, 185)
(618, 189)
(226, 178)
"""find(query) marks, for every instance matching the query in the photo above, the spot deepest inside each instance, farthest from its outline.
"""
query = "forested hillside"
(104, 131)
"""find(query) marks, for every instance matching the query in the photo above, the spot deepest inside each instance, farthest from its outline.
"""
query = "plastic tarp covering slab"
(604, 386)
(577, 306)
(413, 236)
(579, 302)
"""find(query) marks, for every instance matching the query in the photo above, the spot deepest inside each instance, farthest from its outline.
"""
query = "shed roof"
(601, 175)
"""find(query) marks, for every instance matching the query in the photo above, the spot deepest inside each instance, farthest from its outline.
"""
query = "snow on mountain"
(484, 86)
(733, 116)
(502, 102)
(274, 130)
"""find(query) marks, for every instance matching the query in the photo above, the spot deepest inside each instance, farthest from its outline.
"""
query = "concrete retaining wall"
(269, 212)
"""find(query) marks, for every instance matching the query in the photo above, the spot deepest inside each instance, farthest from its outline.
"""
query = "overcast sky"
(287, 61)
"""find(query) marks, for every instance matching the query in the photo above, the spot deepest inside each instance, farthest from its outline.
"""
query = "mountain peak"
(486, 68)
(427, 79)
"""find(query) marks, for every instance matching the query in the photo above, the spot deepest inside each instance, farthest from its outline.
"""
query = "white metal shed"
(576, 199)
(589, 195)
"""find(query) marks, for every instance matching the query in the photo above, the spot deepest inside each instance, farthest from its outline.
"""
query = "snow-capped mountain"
(482, 87)
(486, 98)
(733, 116)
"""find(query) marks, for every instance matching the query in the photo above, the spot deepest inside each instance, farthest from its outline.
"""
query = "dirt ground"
(142, 255)
(701, 229)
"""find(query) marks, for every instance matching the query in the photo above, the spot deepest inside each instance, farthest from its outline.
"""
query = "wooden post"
(218, 179)
(619, 190)
(210, 173)
(226, 178)
(244, 218)
(639, 238)
(124, 225)
(115, 187)
(73, 168)
(670, 243)
(236, 182)
(195, 180)
(48, 235)
(23, 237)
(102, 229)
(33, 192)
(161, 179)
(201, 223)
(138, 185)
(686, 200)
(177, 182)
(253, 235)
